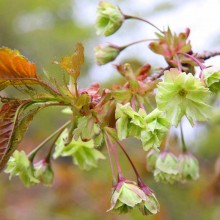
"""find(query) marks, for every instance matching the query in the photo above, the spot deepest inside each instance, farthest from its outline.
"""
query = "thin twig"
(207, 55)
(157, 75)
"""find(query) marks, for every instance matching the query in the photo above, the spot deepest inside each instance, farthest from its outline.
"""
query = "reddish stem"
(140, 103)
(133, 102)
(110, 159)
(178, 63)
(120, 176)
(144, 20)
(202, 67)
(129, 159)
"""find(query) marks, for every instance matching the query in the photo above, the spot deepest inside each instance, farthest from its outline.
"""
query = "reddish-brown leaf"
(21, 125)
(7, 123)
(14, 66)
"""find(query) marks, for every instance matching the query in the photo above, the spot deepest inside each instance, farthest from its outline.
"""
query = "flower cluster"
(143, 106)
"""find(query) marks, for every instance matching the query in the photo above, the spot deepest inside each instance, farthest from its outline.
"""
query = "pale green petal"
(182, 94)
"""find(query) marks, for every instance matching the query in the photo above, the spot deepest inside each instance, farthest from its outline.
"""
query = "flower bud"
(44, 172)
(212, 78)
(110, 19)
(189, 167)
(166, 168)
(106, 53)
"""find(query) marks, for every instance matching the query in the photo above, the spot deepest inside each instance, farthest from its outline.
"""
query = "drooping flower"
(43, 172)
(189, 167)
(182, 94)
(167, 168)
(83, 153)
(109, 20)
(127, 195)
(19, 165)
(212, 78)
(106, 53)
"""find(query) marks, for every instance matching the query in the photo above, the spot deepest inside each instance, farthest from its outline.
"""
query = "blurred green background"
(45, 31)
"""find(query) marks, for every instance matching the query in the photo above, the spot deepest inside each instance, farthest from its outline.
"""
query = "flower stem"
(167, 141)
(41, 145)
(120, 176)
(73, 86)
(202, 67)
(47, 159)
(129, 159)
(110, 160)
(135, 42)
(133, 102)
(140, 103)
(178, 63)
(144, 20)
(184, 149)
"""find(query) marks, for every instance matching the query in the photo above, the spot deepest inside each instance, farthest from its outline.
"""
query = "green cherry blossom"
(212, 78)
(189, 167)
(109, 20)
(83, 153)
(156, 128)
(19, 165)
(166, 168)
(182, 94)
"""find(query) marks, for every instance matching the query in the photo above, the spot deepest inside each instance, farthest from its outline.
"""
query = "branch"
(207, 55)
(157, 75)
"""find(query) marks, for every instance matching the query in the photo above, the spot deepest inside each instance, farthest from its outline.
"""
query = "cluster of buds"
(167, 168)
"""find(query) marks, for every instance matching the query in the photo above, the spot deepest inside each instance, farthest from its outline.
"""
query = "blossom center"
(183, 92)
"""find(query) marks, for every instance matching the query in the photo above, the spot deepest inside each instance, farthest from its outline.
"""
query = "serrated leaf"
(13, 129)
(7, 118)
(73, 63)
(13, 66)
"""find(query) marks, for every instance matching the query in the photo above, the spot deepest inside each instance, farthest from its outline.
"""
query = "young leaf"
(12, 129)
(16, 68)
(73, 63)
(7, 118)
